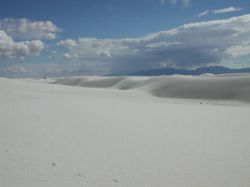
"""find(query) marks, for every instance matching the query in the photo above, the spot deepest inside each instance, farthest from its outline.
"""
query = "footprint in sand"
(53, 164)
(115, 180)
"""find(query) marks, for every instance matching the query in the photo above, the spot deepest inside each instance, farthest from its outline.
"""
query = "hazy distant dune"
(97, 82)
(235, 87)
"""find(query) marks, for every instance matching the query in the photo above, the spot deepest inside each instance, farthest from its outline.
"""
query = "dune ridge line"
(234, 87)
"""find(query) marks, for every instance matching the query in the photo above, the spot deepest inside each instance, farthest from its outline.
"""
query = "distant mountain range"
(199, 71)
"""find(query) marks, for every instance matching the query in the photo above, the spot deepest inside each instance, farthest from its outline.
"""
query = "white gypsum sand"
(231, 87)
(121, 135)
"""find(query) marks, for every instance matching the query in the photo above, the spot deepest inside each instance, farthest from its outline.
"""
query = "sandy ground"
(59, 136)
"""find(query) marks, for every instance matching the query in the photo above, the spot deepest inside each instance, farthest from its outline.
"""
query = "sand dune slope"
(234, 87)
(64, 136)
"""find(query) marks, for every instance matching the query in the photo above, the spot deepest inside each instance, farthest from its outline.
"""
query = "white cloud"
(92, 48)
(67, 43)
(22, 37)
(184, 3)
(239, 50)
(70, 55)
(24, 29)
(16, 69)
(227, 10)
(219, 11)
(12, 49)
(204, 13)
(190, 45)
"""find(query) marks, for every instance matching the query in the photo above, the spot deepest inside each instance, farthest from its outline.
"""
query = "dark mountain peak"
(202, 70)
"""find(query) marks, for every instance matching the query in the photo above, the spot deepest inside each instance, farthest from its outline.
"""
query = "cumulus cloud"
(96, 49)
(24, 29)
(11, 49)
(69, 43)
(239, 50)
(22, 37)
(70, 55)
(187, 46)
(220, 11)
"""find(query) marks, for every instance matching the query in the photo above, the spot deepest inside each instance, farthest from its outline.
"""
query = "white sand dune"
(63, 136)
(234, 87)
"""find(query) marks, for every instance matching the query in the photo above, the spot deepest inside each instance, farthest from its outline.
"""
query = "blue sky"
(62, 37)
